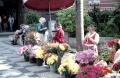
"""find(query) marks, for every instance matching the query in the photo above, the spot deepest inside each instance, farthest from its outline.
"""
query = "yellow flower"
(62, 47)
(40, 54)
(95, 54)
(61, 69)
(67, 60)
(68, 65)
(119, 42)
(52, 59)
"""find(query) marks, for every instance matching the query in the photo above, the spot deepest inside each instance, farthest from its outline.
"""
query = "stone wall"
(72, 41)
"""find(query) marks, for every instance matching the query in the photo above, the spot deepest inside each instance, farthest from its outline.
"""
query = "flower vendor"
(59, 36)
(91, 39)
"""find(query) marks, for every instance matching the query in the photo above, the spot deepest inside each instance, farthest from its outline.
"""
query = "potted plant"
(69, 68)
(39, 57)
(24, 51)
(52, 62)
(86, 57)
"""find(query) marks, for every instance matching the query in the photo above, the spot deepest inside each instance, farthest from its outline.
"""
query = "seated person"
(18, 33)
(25, 33)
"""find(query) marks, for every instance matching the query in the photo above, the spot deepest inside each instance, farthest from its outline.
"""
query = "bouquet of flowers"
(116, 67)
(115, 43)
(33, 51)
(30, 38)
(52, 59)
(68, 66)
(25, 50)
(104, 69)
(89, 72)
(86, 56)
(40, 54)
(57, 48)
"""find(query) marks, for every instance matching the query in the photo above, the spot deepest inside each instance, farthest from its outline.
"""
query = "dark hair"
(91, 26)
(58, 24)
(22, 24)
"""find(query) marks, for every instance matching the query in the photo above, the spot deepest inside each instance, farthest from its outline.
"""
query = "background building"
(104, 5)
(17, 9)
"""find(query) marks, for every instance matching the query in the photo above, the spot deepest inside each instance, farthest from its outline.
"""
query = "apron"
(89, 45)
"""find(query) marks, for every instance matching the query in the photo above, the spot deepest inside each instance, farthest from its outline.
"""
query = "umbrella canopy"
(46, 5)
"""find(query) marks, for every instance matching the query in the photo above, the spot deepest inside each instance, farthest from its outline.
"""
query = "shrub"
(31, 17)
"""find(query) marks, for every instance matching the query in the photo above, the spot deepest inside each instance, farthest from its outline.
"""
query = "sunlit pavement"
(13, 65)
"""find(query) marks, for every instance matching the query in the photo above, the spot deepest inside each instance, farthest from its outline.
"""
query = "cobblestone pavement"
(13, 65)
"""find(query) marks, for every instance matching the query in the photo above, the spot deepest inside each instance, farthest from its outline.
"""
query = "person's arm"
(96, 40)
(39, 28)
(13, 20)
(56, 36)
(86, 37)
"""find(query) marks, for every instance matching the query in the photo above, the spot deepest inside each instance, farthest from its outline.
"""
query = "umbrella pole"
(50, 28)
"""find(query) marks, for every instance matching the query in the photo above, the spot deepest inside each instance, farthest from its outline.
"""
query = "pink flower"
(85, 57)
(23, 49)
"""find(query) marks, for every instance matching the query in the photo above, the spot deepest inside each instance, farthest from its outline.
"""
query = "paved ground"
(13, 65)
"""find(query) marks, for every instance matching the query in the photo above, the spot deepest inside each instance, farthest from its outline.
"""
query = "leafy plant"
(67, 19)
(105, 55)
(31, 17)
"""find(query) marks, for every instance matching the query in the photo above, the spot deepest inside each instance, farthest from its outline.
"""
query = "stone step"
(6, 34)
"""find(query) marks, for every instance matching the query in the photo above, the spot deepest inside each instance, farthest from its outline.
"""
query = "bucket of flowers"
(86, 57)
(40, 54)
(25, 51)
(58, 49)
(52, 62)
(69, 68)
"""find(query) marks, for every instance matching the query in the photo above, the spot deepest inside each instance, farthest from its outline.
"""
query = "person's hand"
(45, 28)
(16, 32)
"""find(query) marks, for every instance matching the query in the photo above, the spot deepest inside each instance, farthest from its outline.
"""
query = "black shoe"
(14, 43)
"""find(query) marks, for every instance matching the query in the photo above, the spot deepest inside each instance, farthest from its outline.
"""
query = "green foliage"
(117, 20)
(108, 30)
(87, 22)
(32, 27)
(105, 55)
(67, 19)
(31, 17)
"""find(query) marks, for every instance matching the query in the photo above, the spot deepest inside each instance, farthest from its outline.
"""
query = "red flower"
(116, 66)
(112, 42)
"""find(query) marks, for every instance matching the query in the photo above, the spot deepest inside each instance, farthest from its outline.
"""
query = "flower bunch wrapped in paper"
(24, 50)
(68, 66)
(52, 59)
(84, 57)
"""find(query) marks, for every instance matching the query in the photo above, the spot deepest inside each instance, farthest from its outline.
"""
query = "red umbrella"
(48, 5)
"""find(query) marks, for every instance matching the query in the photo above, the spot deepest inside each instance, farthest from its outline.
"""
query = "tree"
(67, 19)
